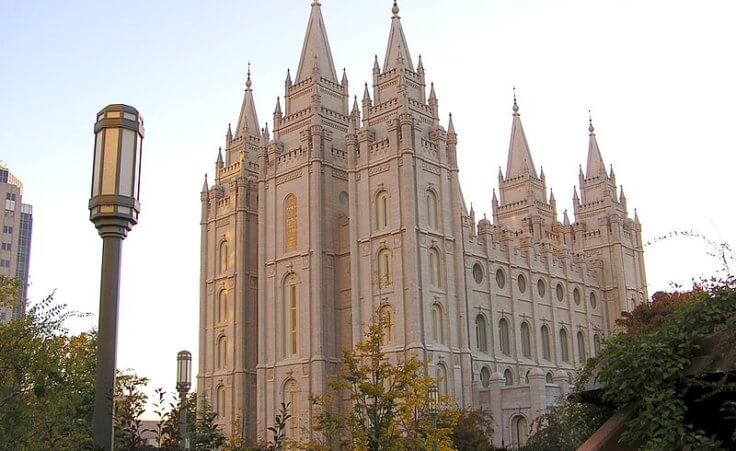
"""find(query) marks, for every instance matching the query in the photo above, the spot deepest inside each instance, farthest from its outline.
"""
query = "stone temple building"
(348, 210)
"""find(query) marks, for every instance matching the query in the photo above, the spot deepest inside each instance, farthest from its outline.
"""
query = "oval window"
(593, 300)
(500, 278)
(477, 273)
(521, 281)
(540, 288)
(576, 296)
(560, 292)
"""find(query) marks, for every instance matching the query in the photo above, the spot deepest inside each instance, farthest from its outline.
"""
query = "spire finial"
(515, 107)
(591, 129)
(316, 3)
(248, 83)
(395, 10)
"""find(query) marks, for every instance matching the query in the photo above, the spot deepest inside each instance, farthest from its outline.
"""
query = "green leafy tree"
(474, 431)
(130, 403)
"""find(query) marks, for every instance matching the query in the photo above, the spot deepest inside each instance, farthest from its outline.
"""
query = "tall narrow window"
(596, 344)
(386, 320)
(291, 397)
(546, 348)
(291, 314)
(222, 307)
(432, 209)
(221, 400)
(384, 268)
(222, 352)
(434, 267)
(508, 378)
(503, 336)
(381, 210)
(581, 347)
(442, 379)
(526, 341)
(224, 263)
(481, 333)
(565, 354)
(438, 332)
(290, 223)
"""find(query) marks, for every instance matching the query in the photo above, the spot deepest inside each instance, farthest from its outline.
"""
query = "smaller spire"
(575, 197)
(219, 157)
(565, 218)
(366, 94)
(229, 132)
(500, 174)
(248, 82)
(356, 109)
(376, 67)
(551, 196)
(266, 135)
(277, 111)
(432, 94)
(541, 173)
(450, 126)
(288, 78)
(636, 217)
(472, 211)
(420, 65)
(205, 185)
(622, 196)
(344, 81)
(495, 199)
(613, 174)
(580, 171)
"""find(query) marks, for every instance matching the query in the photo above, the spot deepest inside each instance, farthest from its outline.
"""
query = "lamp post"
(113, 208)
(183, 384)
(434, 402)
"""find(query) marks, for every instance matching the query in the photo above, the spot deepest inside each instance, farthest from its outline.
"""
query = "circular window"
(485, 376)
(477, 273)
(521, 281)
(593, 300)
(560, 292)
(500, 278)
(343, 198)
(576, 296)
(540, 287)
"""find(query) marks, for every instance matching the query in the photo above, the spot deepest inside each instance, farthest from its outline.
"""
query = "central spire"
(397, 48)
(595, 167)
(520, 157)
(248, 120)
(316, 48)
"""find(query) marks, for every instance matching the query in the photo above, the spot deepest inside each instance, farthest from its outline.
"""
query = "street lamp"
(183, 384)
(434, 402)
(113, 208)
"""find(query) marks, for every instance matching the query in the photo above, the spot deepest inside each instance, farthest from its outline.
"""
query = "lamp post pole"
(434, 396)
(114, 208)
(183, 384)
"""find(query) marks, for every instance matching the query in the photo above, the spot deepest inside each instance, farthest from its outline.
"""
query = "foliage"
(567, 425)
(279, 427)
(474, 431)
(388, 406)
(646, 369)
(204, 433)
(130, 403)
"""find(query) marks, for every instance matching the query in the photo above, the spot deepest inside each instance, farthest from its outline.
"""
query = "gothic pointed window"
(381, 214)
(386, 319)
(221, 401)
(546, 348)
(442, 379)
(224, 263)
(434, 268)
(291, 397)
(581, 347)
(508, 378)
(432, 209)
(438, 332)
(503, 337)
(384, 268)
(290, 223)
(564, 346)
(222, 352)
(485, 377)
(526, 341)
(481, 333)
(291, 314)
(222, 306)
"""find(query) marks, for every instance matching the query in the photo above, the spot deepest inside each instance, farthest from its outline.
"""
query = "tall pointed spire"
(248, 120)
(596, 167)
(520, 157)
(397, 48)
(316, 46)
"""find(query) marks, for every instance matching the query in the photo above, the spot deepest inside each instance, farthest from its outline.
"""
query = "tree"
(130, 403)
(474, 431)
(388, 407)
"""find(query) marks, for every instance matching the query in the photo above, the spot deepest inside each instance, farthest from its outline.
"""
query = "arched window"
(386, 321)
(221, 401)
(481, 333)
(290, 223)
(434, 267)
(381, 210)
(291, 397)
(526, 340)
(576, 296)
(503, 335)
(291, 314)
(564, 346)
(442, 379)
(222, 352)
(548, 378)
(384, 268)
(508, 377)
(519, 431)
(581, 347)
(521, 282)
(431, 209)
(546, 348)
(222, 306)
(485, 377)
(596, 344)
(224, 263)
(438, 332)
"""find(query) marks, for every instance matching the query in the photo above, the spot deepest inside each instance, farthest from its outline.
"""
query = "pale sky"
(658, 76)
